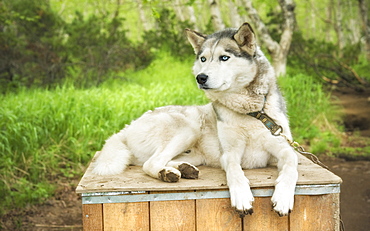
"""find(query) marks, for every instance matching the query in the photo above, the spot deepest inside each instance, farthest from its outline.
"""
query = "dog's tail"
(114, 157)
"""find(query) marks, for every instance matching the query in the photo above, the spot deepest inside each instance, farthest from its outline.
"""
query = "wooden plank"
(216, 214)
(264, 218)
(126, 216)
(316, 213)
(134, 179)
(92, 217)
(172, 215)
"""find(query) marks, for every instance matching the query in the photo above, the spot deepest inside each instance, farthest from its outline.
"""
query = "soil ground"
(63, 212)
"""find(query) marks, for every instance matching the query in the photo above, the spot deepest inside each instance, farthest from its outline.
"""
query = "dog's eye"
(224, 58)
(203, 59)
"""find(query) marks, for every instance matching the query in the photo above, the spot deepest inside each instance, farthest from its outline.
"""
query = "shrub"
(170, 35)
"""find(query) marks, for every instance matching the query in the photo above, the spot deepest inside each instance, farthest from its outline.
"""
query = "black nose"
(202, 78)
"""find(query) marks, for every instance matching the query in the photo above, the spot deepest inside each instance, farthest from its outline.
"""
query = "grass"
(46, 135)
(312, 117)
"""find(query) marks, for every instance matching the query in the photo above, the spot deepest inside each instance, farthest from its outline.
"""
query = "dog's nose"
(202, 78)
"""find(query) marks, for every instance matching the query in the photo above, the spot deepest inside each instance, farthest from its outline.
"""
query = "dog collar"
(269, 123)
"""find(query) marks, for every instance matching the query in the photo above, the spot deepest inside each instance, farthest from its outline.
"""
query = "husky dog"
(171, 141)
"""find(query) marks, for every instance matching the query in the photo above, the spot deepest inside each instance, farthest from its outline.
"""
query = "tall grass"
(46, 135)
(313, 119)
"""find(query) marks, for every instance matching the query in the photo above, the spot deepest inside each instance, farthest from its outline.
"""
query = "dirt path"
(63, 212)
(356, 107)
(355, 190)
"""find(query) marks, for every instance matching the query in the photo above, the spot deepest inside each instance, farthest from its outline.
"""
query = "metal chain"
(277, 130)
(301, 150)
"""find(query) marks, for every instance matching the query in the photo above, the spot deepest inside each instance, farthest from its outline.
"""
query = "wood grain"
(216, 214)
(316, 213)
(172, 215)
(264, 217)
(92, 217)
(126, 216)
(134, 179)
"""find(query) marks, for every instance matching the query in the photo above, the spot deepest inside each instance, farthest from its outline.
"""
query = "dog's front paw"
(282, 202)
(242, 199)
(169, 174)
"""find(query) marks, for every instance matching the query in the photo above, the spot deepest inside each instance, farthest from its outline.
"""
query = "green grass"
(46, 135)
(312, 116)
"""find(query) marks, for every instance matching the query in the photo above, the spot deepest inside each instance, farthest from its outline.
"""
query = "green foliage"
(170, 35)
(38, 48)
(362, 68)
(321, 60)
(99, 48)
(29, 44)
(311, 114)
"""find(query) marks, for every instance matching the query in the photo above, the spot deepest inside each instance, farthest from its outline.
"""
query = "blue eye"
(224, 58)
(203, 59)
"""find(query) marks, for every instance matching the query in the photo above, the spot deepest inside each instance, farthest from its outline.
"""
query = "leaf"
(155, 13)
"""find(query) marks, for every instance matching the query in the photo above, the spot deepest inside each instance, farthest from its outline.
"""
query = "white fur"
(166, 140)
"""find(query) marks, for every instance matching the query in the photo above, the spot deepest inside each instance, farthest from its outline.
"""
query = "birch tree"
(278, 49)
(143, 16)
(363, 6)
(235, 17)
(216, 18)
(186, 12)
(338, 26)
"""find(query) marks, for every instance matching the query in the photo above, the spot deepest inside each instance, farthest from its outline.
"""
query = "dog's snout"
(202, 78)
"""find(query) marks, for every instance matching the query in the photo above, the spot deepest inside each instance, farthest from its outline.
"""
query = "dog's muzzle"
(202, 79)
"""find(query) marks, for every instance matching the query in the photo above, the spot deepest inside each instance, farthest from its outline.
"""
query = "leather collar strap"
(269, 123)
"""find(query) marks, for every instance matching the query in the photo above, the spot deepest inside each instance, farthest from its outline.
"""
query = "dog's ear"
(196, 39)
(246, 39)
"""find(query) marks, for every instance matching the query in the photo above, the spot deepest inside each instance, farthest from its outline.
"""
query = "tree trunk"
(235, 18)
(143, 18)
(278, 50)
(179, 10)
(365, 25)
(186, 12)
(338, 27)
(192, 17)
(328, 24)
(216, 15)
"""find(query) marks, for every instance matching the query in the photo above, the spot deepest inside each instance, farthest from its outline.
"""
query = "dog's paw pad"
(167, 175)
(188, 171)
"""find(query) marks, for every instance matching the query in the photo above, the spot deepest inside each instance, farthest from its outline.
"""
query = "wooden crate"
(135, 201)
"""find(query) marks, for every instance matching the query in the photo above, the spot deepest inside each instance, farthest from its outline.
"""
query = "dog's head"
(225, 59)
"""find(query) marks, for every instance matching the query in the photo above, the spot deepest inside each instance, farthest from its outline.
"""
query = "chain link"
(302, 151)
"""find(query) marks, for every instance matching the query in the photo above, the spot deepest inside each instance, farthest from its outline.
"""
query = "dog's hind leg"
(156, 165)
(186, 165)
(114, 157)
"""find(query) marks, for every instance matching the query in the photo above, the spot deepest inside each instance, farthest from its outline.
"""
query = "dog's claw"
(280, 213)
(283, 214)
(243, 213)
